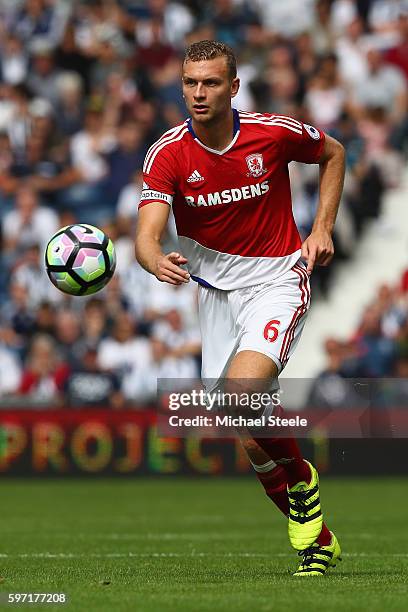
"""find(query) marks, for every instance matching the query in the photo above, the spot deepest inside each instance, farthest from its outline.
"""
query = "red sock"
(286, 453)
(275, 484)
(324, 538)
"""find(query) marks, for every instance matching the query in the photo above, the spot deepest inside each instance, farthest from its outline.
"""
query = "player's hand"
(168, 269)
(318, 249)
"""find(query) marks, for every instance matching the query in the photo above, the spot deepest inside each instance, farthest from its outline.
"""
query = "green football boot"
(317, 559)
(305, 514)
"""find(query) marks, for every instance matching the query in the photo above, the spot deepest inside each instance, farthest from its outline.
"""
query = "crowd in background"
(86, 87)
(377, 350)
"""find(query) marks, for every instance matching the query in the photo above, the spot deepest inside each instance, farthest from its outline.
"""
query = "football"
(80, 259)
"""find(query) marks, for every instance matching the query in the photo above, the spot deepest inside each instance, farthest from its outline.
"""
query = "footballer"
(225, 174)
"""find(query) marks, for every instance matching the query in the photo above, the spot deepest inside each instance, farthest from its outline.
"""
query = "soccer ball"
(80, 259)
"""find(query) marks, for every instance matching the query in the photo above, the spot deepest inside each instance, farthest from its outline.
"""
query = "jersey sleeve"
(158, 177)
(301, 142)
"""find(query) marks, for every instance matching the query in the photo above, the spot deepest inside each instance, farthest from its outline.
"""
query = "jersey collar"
(231, 144)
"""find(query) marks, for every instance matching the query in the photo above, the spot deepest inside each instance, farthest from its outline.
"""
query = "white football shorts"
(267, 318)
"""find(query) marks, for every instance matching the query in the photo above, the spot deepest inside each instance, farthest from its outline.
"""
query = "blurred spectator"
(45, 319)
(13, 61)
(69, 57)
(306, 61)
(129, 196)
(326, 97)
(383, 87)
(127, 155)
(230, 21)
(376, 353)
(332, 388)
(395, 390)
(278, 86)
(30, 273)
(40, 18)
(376, 130)
(115, 299)
(286, 18)
(110, 52)
(398, 54)
(153, 52)
(404, 282)
(126, 354)
(383, 20)
(172, 331)
(165, 298)
(88, 148)
(88, 145)
(15, 119)
(93, 324)
(10, 372)
(38, 162)
(346, 131)
(17, 311)
(351, 54)
(343, 12)
(135, 288)
(245, 97)
(97, 21)
(28, 223)
(87, 385)
(44, 376)
(43, 77)
(68, 336)
(6, 157)
(176, 19)
(321, 29)
(364, 194)
(164, 365)
(157, 60)
(70, 105)
(123, 238)
(392, 305)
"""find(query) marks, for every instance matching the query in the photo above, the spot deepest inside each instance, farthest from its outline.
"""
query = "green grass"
(194, 545)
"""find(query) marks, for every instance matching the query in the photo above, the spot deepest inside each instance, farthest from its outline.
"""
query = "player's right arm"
(159, 185)
(151, 224)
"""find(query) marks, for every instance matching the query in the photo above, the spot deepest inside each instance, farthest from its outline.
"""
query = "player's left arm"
(318, 247)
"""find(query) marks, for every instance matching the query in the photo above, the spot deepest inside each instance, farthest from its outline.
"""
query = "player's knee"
(243, 398)
(236, 394)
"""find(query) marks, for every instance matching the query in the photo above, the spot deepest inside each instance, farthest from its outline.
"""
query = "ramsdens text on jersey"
(229, 195)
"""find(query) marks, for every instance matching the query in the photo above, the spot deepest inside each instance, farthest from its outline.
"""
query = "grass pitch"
(198, 545)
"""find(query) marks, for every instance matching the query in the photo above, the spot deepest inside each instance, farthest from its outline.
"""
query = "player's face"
(208, 89)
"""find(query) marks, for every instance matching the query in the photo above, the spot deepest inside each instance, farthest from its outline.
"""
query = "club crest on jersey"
(312, 131)
(255, 165)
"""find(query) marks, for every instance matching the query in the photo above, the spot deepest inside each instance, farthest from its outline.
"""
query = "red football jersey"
(233, 208)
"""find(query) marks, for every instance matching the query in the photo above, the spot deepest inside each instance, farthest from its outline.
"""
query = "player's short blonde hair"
(210, 49)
